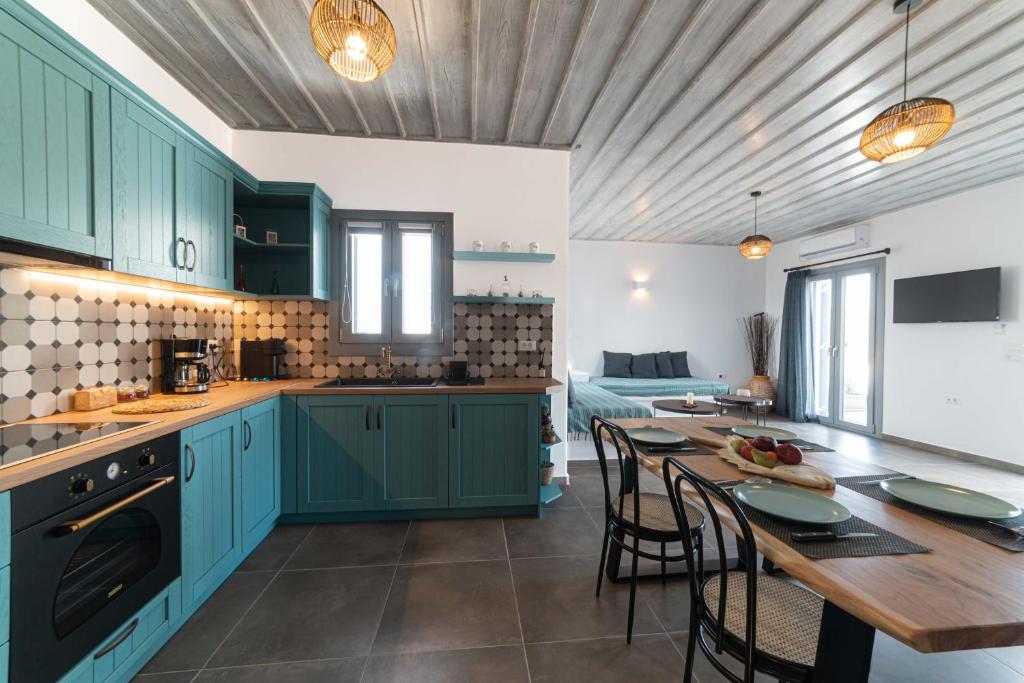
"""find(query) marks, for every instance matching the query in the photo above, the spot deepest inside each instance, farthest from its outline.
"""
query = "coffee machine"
(184, 366)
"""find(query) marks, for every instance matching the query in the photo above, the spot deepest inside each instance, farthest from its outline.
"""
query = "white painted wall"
(926, 363)
(496, 193)
(91, 29)
(695, 296)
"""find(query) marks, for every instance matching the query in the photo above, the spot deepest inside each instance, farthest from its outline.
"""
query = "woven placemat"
(806, 446)
(159, 405)
(975, 528)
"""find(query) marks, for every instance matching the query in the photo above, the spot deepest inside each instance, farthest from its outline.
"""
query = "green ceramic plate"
(792, 503)
(752, 432)
(655, 436)
(951, 500)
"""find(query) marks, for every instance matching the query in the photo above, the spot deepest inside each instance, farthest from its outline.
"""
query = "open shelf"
(247, 246)
(535, 300)
(511, 256)
(550, 493)
(546, 446)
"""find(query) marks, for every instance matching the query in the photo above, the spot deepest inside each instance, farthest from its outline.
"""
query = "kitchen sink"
(379, 382)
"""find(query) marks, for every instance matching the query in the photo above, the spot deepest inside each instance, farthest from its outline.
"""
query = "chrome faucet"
(384, 368)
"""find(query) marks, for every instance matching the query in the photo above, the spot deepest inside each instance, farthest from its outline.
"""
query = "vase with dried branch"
(759, 336)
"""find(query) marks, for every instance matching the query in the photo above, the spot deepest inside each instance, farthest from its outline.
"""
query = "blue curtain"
(791, 393)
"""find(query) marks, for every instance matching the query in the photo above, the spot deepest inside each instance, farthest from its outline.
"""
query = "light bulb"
(355, 47)
(905, 137)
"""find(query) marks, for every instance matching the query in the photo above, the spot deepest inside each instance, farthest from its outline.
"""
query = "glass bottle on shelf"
(506, 287)
(275, 287)
(240, 282)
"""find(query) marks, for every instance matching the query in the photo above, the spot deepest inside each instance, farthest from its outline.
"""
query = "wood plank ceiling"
(674, 109)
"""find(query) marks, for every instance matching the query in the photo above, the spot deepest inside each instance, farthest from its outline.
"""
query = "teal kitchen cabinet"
(205, 208)
(261, 471)
(211, 525)
(334, 438)
(319, 251)
(148, 241)
(55, 146)
(494, 450)
(410, 460)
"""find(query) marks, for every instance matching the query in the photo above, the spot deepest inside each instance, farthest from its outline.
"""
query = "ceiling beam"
(620, 56)
(524, 59)
(570, 64)
(296, 79)
(394, 107)
(421, 35)
(212, 28)
(474, 66)
(173, 68)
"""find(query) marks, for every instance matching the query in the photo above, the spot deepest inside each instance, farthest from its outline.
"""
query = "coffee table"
(747, 403)
(675, 405)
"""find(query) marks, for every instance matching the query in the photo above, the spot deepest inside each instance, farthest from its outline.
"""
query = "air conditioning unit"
(844, 239)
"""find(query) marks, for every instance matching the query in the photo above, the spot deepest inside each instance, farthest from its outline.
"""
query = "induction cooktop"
(20, 442)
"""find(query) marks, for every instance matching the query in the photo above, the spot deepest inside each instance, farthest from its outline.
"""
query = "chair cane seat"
(656, 512)
(788, 616)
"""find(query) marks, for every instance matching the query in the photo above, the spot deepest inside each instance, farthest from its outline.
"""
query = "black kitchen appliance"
(184, 366)
(91, 546)
(458, 372)
(261, 358)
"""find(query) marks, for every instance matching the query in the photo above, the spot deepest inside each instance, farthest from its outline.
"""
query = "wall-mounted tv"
(965, 296)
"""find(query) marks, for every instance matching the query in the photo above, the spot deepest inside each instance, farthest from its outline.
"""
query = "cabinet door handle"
(380, 411)
(181, 265)
(192, 460)
(195, 257)
(117, 641)
(454, 411)
(248, 435)
(366, 415)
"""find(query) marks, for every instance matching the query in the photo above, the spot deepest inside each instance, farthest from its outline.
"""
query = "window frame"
(341, 340)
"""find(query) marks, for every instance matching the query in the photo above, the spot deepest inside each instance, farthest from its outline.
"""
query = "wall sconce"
(640, 285)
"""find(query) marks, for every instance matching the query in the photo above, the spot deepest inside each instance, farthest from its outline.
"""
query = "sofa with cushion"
(654, 374)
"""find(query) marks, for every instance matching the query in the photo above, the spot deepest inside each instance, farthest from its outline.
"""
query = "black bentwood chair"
(781, 641)
(657, 522)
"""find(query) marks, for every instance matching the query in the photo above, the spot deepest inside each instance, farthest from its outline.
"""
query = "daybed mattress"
(593, 400)
(627, 386)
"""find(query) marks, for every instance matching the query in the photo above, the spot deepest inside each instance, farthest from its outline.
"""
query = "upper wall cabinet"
(205, 209)
(54, 146)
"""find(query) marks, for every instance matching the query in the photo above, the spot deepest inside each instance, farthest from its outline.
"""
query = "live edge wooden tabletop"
(963, 595)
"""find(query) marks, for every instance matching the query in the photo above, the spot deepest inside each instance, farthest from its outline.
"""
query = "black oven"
(91, 546)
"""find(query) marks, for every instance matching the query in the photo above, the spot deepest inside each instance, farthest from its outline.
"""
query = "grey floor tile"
(350, 545)
(173, 677)
(568, 499)
(669, 602)
(322, 671)
(276, 548)
(651, 659)
(454, 540)
(447, 607)
(589, 489)
(704, 672)
(894, 662)
(303, 615)
(200, 636)
(557, 602)
(475, 665)
(1012, 657)
(556, 532)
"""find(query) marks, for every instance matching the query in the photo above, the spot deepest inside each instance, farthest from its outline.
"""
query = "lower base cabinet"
(261, 471)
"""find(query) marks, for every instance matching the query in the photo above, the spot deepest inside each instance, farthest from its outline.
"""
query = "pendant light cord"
(906, 51)
(755, 216)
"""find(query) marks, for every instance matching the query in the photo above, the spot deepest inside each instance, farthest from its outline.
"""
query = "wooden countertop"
(965, 594)
(223, 400)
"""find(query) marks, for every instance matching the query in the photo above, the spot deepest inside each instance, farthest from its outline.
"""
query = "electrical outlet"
(953, 401)
(721, 375)
(527, 344)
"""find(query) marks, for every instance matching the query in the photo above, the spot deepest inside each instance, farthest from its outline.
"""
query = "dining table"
(964, 594)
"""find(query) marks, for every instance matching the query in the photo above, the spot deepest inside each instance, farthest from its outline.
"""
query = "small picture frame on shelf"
(240, 231)
(271, 237)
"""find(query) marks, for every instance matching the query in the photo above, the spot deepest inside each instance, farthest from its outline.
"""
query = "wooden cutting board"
(159, 405)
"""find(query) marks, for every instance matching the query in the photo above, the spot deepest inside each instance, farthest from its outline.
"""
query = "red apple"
(765, 443)
(747, 453)
(790, 454)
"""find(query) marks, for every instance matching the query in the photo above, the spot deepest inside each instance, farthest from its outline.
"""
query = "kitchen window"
(392, 283)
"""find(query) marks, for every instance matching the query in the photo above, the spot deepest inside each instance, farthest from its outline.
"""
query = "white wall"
(496, 193)
(926, 363)
(91, 29)
(695, 296)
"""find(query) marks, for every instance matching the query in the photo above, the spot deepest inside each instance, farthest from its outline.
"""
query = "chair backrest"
(610, 436)
(676, 476)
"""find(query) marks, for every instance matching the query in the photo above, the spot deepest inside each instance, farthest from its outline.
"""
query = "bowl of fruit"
(765, 456)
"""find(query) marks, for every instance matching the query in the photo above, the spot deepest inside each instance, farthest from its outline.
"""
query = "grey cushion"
(664, 362)
(570, 396)
(644, 366)
(680, 368)
(617, 364)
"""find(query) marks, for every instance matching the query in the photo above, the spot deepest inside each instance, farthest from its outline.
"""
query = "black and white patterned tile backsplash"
(60, 334)
(486, 337)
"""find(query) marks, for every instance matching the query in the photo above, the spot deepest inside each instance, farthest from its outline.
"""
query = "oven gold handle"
(79, 524)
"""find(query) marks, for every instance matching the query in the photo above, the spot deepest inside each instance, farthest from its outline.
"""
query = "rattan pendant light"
(908, 128)
(756, 246)
(354, 37)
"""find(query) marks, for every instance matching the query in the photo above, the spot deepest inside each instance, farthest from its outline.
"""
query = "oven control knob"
(82, 485)
(147, 459)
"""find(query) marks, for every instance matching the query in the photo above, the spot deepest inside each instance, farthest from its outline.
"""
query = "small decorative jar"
(478, 245)
(534, 247)
(506, 246)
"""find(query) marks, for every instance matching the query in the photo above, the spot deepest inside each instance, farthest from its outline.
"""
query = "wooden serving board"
(159, 405)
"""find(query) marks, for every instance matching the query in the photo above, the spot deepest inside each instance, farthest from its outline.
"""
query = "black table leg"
(844, 647)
